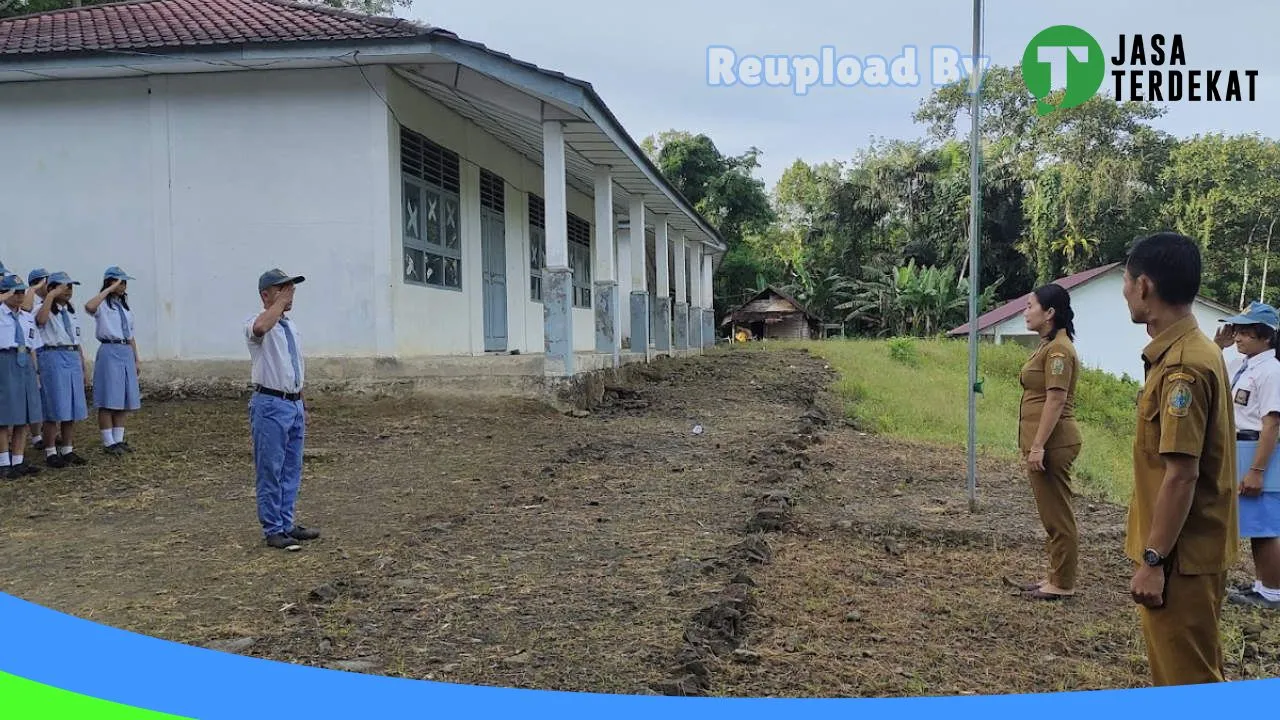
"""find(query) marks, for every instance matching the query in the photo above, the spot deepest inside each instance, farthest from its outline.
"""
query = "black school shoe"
(300, 533)
(17, 472)
(55, 461)
(283, 542)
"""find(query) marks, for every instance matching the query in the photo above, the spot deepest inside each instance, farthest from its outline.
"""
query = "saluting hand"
(1225, 337)
(1147, 586)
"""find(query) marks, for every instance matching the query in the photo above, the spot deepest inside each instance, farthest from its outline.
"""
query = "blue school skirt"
(62, 385)
(19, 393)
(1259, 515)
(115, 378)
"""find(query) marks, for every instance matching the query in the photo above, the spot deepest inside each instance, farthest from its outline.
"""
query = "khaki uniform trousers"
(1052, 491)
(1183, 644)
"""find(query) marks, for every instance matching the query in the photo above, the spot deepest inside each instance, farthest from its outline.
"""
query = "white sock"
(17, 459)
(50, 452)
(64, 450)
(1266, 592)
(36, 438)
(108, 438)
(4, 459)
(118, 434)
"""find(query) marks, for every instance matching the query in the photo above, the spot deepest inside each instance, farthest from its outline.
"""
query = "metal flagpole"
(975, 219)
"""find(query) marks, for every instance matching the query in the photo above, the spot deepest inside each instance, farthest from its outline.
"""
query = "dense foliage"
(881, 242)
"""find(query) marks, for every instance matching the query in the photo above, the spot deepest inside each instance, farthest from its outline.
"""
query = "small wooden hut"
(772, 315)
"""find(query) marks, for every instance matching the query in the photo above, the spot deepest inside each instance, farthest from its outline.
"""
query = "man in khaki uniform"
(1183, 516)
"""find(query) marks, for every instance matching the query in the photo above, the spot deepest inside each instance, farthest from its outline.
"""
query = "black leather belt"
(59, 347)
(114, 342)
(277, 393)
(10, 350)
(1248, 435)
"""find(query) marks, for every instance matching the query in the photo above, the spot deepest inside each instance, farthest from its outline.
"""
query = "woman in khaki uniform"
(1048, 436)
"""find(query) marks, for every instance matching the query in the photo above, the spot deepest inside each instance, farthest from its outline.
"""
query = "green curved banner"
(22, 699)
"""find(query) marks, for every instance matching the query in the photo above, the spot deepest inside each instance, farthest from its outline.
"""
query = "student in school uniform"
(31, 302)
(115, 368)
(1255, 399)
(62, 365)
(19, 389)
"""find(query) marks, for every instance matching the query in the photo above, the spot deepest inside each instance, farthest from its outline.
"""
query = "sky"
(649, 61)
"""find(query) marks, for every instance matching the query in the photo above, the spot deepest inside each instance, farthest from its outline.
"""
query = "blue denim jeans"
(278, 427)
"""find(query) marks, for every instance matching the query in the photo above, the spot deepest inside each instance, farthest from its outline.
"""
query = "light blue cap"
(34, 276)
(115, 272)
(11, 282)
(61, 278)
(1257, 314)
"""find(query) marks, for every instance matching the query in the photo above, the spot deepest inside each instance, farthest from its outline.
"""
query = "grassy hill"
(916, 389)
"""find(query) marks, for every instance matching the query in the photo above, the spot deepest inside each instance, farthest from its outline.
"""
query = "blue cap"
(115, 272)
(11, 282)
(276, 276)
(61, 278)
(1257, 314)
(34, 276)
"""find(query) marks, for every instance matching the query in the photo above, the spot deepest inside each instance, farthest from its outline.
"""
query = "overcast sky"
(648, 60)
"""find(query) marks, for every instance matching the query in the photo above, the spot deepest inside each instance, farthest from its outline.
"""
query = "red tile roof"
(167, 24)
(1013, 307)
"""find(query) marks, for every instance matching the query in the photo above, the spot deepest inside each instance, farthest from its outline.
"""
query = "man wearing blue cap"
(37, 289)
(276, 415)
(1255, 397)
(19, 391)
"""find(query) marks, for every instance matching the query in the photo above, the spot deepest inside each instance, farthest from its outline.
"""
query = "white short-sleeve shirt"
(107, 319)
(272, 366)
(56, 332)
(27, 326)
(1256, 391)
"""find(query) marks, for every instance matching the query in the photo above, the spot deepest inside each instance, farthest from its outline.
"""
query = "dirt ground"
(714, 529)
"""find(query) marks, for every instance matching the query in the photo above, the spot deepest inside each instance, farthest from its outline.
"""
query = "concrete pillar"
(639, 280)
(695, 294)
(605, 287)
(557, 283)
(708, 303)
(681, 323)
(662, 293)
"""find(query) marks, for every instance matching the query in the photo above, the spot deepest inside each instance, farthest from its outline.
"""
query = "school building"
(451, 207)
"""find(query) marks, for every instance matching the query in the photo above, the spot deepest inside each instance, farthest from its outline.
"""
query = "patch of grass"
(916, 389)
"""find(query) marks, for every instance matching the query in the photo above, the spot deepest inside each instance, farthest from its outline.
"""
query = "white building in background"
(1106, 339)
(442, 199)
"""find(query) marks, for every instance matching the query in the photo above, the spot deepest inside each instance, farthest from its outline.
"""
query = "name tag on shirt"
(1242, 397)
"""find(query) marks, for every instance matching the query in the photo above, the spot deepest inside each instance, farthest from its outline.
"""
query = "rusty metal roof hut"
(774, 315)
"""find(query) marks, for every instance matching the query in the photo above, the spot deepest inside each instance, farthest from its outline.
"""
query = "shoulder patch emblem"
(1180, 399)
(1057, 366)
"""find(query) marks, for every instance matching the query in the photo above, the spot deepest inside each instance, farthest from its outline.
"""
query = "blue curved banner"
(48, 649)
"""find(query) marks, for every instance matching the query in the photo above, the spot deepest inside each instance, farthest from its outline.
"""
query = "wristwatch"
(1152, 558)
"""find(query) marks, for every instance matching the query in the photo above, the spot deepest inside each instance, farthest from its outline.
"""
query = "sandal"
(1024, 587)
(1038, 594)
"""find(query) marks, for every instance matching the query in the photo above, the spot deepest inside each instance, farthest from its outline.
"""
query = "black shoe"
(113, 449)
(283, 542)
(55, 461)
(38, 444)
(72, 458)
(300, 533)
(124, 446)
(23, 470)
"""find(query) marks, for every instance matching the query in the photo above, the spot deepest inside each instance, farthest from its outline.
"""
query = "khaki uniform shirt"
(1185, 408)
(1053, 366)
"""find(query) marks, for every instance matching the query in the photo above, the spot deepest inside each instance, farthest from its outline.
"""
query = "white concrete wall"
(195, 185)
(1106, 338)
(436, 321)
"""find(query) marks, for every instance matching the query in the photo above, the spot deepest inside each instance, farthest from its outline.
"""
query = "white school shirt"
(26, 321)
(1257, 391)
(107, 320)
(272, 367)
(55, 331)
